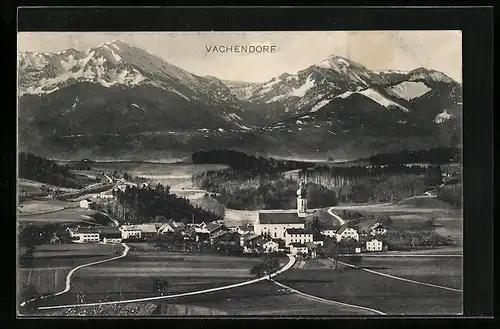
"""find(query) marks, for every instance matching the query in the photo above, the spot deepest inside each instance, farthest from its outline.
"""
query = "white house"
(378, 229)
(84, 235)
(374, 245)
(270, 246)
(129, 231)
(298, 248)
(297, 235)
(345, 232)
(112, 238)
(166, 228)
(330, 231)
(85, 203)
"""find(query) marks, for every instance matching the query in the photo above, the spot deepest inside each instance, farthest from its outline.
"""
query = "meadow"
(391, 296)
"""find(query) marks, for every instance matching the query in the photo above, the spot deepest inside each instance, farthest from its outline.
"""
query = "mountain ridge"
(116, 93)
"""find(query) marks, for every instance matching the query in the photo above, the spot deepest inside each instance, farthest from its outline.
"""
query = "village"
(285, 232)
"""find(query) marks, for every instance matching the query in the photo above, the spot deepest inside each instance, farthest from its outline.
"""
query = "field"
(51, 263)
(134, 275)
(38, 206)
(263, 299)
(391, 296)
(62, 216)
(175, 175)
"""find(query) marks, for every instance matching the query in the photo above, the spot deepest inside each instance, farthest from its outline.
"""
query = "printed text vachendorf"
(240, 49)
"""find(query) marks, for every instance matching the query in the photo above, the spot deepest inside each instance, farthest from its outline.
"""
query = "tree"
(161, 286)
(332, 251)
(266, 267)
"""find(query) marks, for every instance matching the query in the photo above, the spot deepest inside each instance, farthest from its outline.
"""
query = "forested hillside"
(142, 205)
(46, 171)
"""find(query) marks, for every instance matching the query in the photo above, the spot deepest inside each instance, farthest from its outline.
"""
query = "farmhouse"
(250, 239)
(215, 228)
(146, 230)
(84, 234)
(166, 228)
(110, 235)
(318, 240)
(244, 229)
(299, 235)
(378, 229)
(129, 232)
(345, 232)
(227, 237)
(298, 248)
(85, 203)
(270, 246)
(374, 245)
(275, 223)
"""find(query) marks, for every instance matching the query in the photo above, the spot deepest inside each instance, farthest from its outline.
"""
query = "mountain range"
(119, 101)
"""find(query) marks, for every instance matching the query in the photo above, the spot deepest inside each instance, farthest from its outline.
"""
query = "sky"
(294, 51)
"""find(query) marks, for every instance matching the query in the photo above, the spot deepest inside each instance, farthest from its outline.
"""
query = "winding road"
(70, 274)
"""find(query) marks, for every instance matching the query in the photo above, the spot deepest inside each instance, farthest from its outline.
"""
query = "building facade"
(346, 232)
(270, 246)
(297, 235)
(374, 245)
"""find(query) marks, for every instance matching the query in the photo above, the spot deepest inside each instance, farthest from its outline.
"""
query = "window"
(275, 234)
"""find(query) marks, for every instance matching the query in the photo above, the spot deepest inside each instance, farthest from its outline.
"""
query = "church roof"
(280, 218)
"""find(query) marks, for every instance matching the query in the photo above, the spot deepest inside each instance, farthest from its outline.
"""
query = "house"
(270, 246)
(299, 235)
(215, 228)
(146, 230)
(330, 231)
(177, 226)
(374, 245)
(227, 237)
(378, 229)
(345, 232)
(129, 232)
(110, 235)
(250, 239)
(244, 229)
(85, 203)
(84, 235)
(165, 228)
(318, 240)
(297, 248)
(105, 195)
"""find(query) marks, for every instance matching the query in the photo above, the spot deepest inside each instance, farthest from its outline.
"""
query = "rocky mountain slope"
(116, 100)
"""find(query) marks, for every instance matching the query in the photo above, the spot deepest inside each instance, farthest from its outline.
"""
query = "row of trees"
(440, 155)
(143, 205)
(243, 162)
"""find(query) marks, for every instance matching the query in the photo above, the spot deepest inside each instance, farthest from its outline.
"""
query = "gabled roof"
(213, 226)
(376, 226)
(144, 228)
(251, 237)
(343, 228)
(165, 227)
(297, 231)
(226, 236)
(280, 218)
(271, 241)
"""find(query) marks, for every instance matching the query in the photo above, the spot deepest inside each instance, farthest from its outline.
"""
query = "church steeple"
(301, 200)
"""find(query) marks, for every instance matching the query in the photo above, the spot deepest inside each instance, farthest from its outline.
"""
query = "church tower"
(301, 201)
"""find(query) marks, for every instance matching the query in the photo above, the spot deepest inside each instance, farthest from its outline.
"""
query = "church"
(275, 223)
